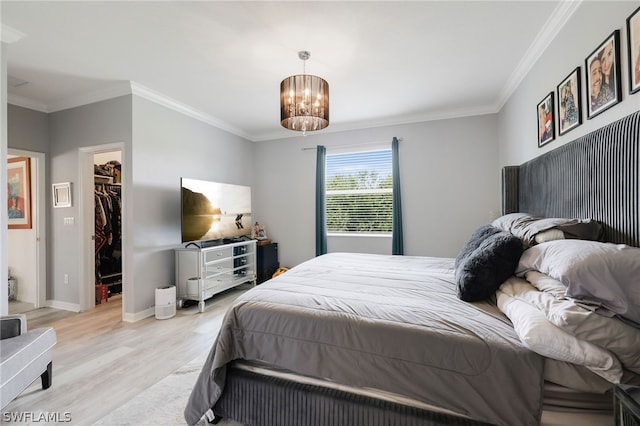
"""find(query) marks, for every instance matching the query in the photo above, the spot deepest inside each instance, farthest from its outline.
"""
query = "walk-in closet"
(108, 224)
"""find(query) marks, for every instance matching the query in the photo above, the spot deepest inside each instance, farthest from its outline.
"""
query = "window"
(359, 192)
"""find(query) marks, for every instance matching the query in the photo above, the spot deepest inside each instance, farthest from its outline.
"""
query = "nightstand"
(626, 405)
(267, 260)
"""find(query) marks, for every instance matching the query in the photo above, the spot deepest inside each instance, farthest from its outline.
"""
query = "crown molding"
(558, 19)
(396, 121)
(21, 101)
(161, 99)
(119, 89)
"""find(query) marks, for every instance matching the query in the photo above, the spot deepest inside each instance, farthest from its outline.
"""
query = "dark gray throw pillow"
(478, 236)
(483, 270)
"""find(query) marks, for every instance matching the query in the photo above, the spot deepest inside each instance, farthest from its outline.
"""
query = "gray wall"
(28, 129)
(168, 145)
(449, 176)
(90, 125)
(160, 146)
(589, 26)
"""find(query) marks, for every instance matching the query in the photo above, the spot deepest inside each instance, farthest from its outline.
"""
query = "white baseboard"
(127, 317)
(139, 315)
(65, 306)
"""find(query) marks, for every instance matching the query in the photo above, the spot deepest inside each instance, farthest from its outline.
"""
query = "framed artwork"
(569, 106)
(62, 194)
(546, 131)
(633, 45)
(19, 192)
(602, 68)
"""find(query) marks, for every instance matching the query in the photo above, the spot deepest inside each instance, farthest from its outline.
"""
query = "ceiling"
(386, 63)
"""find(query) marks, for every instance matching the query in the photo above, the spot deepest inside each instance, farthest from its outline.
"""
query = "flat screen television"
(214, 211)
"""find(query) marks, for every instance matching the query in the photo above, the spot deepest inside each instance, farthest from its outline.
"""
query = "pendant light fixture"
(304, 101)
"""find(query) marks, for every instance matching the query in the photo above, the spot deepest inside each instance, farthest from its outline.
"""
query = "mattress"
(390, 323)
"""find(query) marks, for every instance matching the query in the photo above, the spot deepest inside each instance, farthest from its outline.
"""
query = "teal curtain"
(321, 215)
(397, 241)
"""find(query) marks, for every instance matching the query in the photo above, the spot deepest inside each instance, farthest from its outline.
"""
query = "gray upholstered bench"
(24, 356)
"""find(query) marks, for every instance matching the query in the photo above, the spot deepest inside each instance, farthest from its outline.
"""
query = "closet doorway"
(103, 223)
(107, 178)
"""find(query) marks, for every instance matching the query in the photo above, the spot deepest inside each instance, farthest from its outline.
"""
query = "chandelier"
(304, 101)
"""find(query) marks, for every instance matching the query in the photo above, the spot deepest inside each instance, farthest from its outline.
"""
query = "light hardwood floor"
(100, 362)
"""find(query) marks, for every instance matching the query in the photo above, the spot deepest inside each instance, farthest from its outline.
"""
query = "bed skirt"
(254, 399)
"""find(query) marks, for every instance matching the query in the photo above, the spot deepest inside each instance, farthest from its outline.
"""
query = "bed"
(353, 339)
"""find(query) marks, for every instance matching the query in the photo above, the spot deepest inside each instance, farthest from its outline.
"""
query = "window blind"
(359, 197)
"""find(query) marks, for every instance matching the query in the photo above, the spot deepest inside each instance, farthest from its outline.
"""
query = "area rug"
(163, 403)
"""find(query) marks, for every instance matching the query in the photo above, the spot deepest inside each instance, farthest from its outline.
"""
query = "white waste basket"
(166, 302)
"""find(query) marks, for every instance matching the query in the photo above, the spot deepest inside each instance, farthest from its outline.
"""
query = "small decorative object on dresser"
(626, 405)
(258, 232)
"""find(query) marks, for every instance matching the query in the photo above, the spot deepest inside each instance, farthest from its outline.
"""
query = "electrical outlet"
(66, 278)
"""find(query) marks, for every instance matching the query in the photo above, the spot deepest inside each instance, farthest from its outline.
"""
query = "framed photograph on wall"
(602, 69)
(569, 105)
(633, 45)
(62, 194)
(19, 192)
(546, 131)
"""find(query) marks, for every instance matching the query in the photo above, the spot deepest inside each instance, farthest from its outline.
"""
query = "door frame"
(39, 212)
(87, 225)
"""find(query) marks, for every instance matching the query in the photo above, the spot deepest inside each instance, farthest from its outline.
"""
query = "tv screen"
(214, 211)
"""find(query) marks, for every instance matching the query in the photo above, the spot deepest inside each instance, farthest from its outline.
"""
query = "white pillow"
(612, 334)
(544, 338)
(601, 273)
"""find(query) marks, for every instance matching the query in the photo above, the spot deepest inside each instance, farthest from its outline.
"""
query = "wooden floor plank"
(100, 362)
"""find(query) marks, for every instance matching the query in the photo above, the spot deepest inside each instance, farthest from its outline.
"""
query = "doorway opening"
(108, 224)
(102, 226)
(27, 245)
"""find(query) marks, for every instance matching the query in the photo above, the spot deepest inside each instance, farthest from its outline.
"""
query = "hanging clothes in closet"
(108, 235)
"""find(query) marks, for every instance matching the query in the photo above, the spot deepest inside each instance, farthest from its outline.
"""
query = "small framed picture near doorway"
(546, 131)
(62, 194)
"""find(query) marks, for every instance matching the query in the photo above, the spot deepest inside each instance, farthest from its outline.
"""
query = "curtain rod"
(349, 146)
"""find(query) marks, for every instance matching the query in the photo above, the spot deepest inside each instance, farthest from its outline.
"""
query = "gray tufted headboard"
(595, 176)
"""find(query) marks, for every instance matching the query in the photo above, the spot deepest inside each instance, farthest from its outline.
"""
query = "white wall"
(449, 176)
(589, 26)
